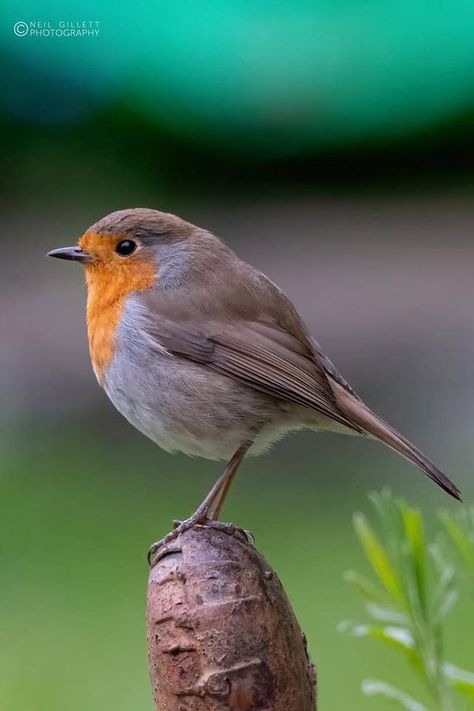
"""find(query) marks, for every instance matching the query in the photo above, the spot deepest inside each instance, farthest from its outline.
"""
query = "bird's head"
(128, 250)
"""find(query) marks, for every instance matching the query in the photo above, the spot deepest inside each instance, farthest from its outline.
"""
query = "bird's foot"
(160, 549)
(223, 526)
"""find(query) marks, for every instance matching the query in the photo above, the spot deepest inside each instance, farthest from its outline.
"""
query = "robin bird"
(204, 354)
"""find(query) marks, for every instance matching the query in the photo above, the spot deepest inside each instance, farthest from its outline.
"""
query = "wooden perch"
(221, 632)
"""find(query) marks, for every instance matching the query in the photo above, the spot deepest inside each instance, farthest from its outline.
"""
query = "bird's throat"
(107, 294)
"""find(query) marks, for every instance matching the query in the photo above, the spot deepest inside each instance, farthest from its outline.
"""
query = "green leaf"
(377, 556)
(386, 613)
(445, 594)
(388, 509)
(460, 530)
(374, 687)
(461, 680)
(415, 538)
(364, 586)
(445, 606)
(398, 637)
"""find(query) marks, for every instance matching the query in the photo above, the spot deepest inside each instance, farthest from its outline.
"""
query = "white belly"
(185, 407)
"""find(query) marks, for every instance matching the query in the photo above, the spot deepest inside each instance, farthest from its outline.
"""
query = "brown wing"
(263, 357)
(331, 369)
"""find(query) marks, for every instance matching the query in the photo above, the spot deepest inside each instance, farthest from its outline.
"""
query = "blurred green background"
(331, 144)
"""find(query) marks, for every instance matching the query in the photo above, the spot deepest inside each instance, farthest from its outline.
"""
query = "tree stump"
(221, 632)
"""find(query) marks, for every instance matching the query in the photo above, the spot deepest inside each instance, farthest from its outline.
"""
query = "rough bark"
(221, 632)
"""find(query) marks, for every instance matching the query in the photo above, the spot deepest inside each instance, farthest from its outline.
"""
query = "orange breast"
(109, 283)
(102, 322)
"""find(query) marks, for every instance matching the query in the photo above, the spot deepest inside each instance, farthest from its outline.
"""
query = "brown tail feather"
(360, 414)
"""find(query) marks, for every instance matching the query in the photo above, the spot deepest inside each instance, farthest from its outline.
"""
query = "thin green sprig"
(415, 589)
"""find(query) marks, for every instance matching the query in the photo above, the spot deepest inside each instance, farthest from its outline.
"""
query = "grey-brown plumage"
(212, 359)
(212, 309)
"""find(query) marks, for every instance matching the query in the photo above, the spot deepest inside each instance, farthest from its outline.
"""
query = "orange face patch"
(110, 278)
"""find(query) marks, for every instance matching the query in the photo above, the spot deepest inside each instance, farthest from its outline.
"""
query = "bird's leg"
(218, 501)
(216, 496)
(208, 511)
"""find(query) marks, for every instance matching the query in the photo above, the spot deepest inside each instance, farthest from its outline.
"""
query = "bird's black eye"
(126, 247)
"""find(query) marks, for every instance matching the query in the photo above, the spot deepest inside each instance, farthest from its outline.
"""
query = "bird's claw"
(160, 549)
(232, 530)
(249, 536)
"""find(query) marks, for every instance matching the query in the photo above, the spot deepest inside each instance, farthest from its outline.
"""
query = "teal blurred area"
(272, 79)
(330, 144)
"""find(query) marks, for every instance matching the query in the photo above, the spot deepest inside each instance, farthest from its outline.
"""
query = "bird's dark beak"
(75, 254)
